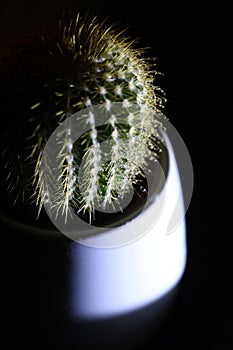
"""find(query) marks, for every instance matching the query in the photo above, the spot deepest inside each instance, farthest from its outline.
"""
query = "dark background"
(192, 42)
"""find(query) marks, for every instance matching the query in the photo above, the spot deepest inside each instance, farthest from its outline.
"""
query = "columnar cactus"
(82, 65)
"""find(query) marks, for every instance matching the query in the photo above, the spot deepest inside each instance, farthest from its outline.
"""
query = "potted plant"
(90, 154)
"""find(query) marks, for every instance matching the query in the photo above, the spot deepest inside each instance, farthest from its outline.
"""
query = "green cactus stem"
(83, 64)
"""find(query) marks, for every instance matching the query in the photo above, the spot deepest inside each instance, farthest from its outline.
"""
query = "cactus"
(83, 64)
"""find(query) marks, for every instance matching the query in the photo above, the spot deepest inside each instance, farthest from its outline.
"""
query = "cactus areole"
(51, 77)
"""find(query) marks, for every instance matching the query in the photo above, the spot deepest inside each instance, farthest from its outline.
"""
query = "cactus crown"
(85, 64)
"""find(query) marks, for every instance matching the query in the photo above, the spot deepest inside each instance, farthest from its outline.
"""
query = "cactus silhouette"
(46, 79)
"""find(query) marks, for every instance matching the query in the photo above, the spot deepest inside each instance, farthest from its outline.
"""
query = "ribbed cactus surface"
(81, 65)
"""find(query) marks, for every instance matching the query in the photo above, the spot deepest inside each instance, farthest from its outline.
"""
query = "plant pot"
(80, 288)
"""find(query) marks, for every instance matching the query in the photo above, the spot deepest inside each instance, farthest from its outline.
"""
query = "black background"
(192, 41)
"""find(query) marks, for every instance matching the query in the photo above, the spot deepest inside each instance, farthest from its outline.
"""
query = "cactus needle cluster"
(82, 64)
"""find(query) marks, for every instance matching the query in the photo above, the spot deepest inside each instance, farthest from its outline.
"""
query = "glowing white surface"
(108, 282)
